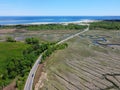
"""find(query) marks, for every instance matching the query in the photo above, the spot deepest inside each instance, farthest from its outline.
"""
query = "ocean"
(8, 20)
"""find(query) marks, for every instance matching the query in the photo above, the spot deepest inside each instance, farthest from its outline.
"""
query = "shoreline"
(82, 22)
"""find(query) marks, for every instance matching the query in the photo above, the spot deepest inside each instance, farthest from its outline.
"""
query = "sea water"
(5, 20)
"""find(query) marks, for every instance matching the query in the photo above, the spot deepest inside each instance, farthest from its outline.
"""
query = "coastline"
(74, 22)
(82, 22)
(65, 20)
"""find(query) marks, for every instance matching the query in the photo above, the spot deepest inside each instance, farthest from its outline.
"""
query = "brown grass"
(84, 66)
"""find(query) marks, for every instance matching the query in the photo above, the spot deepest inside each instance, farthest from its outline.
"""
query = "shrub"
(10, 39)
(51, 49)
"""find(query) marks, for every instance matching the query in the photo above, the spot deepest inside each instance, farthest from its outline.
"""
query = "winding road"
(30, 79)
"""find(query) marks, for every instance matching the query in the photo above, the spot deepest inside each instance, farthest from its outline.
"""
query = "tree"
(32, 40)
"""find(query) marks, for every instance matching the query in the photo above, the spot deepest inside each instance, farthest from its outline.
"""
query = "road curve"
(29, 81)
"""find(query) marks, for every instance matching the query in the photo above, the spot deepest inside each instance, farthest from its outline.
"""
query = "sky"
(59, 7)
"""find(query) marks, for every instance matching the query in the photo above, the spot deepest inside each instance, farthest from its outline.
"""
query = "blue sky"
(59, 7)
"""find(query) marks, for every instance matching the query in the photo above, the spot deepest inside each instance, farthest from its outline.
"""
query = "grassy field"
(83, 65)
(8, 49)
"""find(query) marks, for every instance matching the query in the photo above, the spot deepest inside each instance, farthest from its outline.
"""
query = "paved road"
(73, 36)
(29, 82)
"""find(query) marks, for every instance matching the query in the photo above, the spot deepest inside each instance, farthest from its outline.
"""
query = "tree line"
(46, 27)
(106, 25)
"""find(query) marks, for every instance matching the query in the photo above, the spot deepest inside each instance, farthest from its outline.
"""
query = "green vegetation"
(10, 39)
(21, 57)
(32, 41)
(56, 27)
(8, 50)
(47, 27)
(106, 25)
(109, 25)
(19, 67)
(51, 49)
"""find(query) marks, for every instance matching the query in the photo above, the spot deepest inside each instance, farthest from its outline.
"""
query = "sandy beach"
(82, 22)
